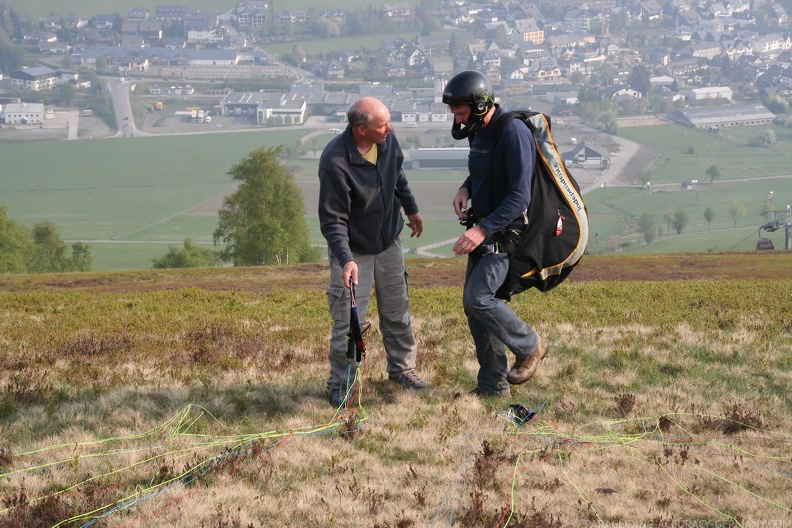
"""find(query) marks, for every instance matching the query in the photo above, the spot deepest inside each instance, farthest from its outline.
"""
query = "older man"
(362, 191)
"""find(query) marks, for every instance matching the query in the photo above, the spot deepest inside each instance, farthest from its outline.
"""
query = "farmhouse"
(150, 31)
(117, 58)
(251, 13)
(173, 13)
(585, 157)
(56, 48)
(23, 114)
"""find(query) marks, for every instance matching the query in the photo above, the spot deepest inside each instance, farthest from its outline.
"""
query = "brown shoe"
(525, 368)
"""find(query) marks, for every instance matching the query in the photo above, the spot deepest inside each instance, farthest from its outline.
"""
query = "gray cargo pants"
(385, 272)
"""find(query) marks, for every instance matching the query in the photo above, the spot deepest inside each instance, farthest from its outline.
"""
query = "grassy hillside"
(196, 398)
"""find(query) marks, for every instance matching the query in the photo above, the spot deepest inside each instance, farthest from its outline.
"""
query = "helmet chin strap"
(459, 131)
(463, 130)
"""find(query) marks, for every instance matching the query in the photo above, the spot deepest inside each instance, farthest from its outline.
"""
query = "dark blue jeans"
(493, 324)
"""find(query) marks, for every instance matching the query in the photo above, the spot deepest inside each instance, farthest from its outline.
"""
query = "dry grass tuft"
(625, 403)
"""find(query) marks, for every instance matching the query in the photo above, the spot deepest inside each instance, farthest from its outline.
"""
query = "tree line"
(38, 250)
(652, 228)
(11, 54)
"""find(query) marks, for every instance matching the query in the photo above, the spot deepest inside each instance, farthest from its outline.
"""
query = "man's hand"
(350, 271)
(460, 202)
(470, 240)
(415, 223)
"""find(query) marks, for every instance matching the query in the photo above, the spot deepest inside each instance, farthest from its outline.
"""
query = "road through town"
(120, 93)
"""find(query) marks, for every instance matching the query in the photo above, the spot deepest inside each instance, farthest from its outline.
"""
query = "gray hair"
(358, 115)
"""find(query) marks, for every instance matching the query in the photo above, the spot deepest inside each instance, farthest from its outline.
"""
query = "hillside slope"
(423, 273)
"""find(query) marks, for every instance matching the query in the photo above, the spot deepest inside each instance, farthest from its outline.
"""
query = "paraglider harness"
(550, 245)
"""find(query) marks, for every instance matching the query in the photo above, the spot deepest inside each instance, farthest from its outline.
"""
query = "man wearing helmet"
(499, 191)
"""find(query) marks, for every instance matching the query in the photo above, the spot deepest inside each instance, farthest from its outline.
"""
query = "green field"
(124, 190)
(728, 150)
(615, 212)
(88, 8)
(131, 198)
(747, 175)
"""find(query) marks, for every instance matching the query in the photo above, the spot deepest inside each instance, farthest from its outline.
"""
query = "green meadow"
(747, 175)
(129, 194)
(87, 8)
(131, 198)
(728, 150)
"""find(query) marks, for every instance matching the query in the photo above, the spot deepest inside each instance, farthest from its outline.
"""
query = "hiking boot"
(410, 379)
(337, 397)
(480, 394)
(525, 368)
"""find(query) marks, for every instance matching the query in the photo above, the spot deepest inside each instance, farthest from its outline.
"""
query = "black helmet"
(469, 88)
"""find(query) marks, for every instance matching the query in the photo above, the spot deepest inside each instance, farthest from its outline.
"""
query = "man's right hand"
(460, 202)
(350, 271)
(470, 240)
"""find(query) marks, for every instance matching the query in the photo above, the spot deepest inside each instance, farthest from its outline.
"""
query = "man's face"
(379, 128)
(461, 113)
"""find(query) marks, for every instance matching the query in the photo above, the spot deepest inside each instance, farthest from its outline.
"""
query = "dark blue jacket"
(359, 203)
(501, 191)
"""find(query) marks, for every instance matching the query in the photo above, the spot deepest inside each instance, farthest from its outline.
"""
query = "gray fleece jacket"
(360, 204)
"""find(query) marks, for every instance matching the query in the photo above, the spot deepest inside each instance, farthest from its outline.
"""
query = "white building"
(23, 114)
(289, 109)
(36, 78)
(708, 92)
(42, 78)
(210, 36)
(269, 108)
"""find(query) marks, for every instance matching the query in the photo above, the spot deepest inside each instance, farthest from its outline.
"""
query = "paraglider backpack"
(556, 234)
